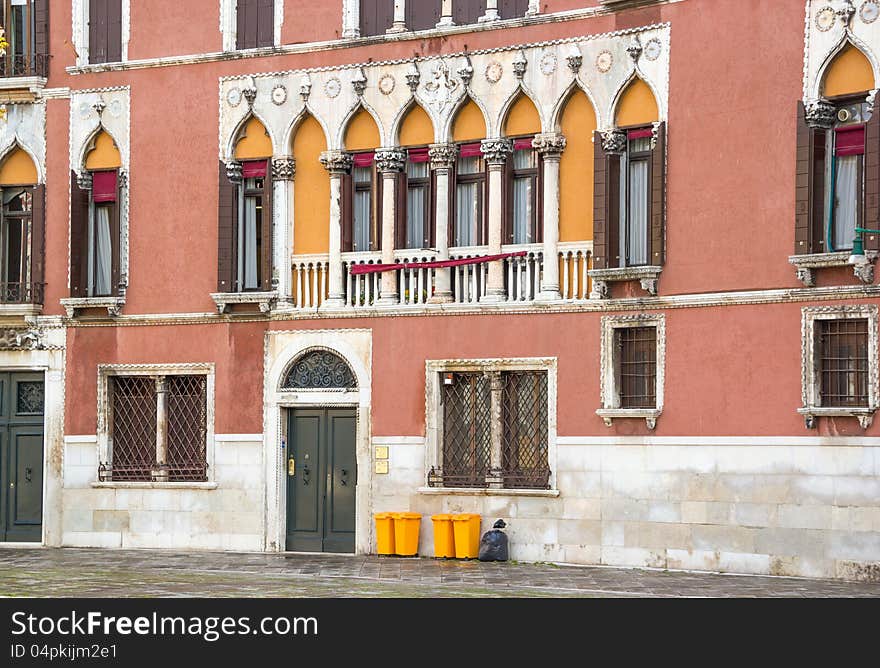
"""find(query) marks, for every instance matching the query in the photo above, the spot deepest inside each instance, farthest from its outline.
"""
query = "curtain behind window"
(415, 205)
(846, 193)
(523, 212)
(362, 210)
(251, 256)
(103, 257)
(634, 193)
(468, 203)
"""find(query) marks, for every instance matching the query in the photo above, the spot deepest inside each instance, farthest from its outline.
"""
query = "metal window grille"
(637, 366)
(187, 411)
(467, 429)
(524, 429)
(842, 347)
(133, 428)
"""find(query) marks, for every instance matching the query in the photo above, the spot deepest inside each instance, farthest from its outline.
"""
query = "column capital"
(819, 114)
(614, 141)
(84, 180)
(442, 156)
(390, 160)
(496, 151)
(233, 171)
(336, 162)
(550, 145)
(283, 169)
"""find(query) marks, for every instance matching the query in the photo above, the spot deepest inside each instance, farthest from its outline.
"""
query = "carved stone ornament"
(548, 63)
(305, 87)
(825, 19)
(390, 160)
(84, 180)
(549, 145)
(233, 171)
(250, 94)
(442, 88)
(359, 82)
(332, 87)
(99, 107)
(869, 11)
(819, 114)
(336, 162)
(864, 271)
(320, 370)
(496, 151)
(614, 141)
(279, 95)
(283, 169)
(494, 70)
(122, 179)
(653, 49)
(413, 76)
(575, 60)
(648, 277)
(20, 339)
(604, 61)
(442, 156)
(387, 84)
(466, 71)
(845, 12)
(635, 50)
(519, 65)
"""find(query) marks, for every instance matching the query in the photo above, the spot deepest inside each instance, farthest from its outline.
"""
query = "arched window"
(362, 202)
(416, 229)
(22, 224)
(471, 192)
(522, 215)
(319, 370)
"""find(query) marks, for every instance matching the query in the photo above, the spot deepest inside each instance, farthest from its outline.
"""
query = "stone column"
(496, 153)
(338, 163)
(491, 12)
(351, 19)
(496, 438)
(442, 160)
(550, 146)
(390, 162)
(399, 24)
(160, 473)
(283, 173)
(534, 8)
(446, 14)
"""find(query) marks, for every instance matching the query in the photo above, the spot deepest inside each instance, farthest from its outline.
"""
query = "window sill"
(649, 415)
(865, 416)
(112, 304)
(265, 300)
(647, 276)
(32, 85)
(806, 265)
(20, 309)
(483, 491)
(154, 485)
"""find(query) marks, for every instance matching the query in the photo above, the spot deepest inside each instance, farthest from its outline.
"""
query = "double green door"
(321, 480)
(21, 457)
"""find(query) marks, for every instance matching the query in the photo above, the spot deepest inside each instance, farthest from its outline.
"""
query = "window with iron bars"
(158, 429)
(842, 351)
(494, 430)
(636, 366)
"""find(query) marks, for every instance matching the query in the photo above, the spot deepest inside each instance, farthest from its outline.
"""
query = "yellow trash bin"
(467, 535)
(385, 533)
(444, 536)
(406, 534)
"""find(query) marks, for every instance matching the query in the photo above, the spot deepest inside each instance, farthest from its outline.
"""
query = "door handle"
(291, 467)
(344, 479)
(306, 473)
(28, 473)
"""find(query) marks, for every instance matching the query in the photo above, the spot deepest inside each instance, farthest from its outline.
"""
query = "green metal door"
(21, 457)
(321, 480)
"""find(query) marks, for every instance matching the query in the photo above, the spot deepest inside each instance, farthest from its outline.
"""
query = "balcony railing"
(15, 65)
(21, 293)
(523, 276)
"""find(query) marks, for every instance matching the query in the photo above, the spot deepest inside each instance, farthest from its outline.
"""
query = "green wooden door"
(21, 457)
(321, 480)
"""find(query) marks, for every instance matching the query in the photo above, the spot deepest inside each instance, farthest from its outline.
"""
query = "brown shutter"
(266, 231)
(97, 31)
(512, 9)
(422, 14)
(41, 37)
(114, 31)
(872, 181)
(265, 23)
(400, 209)
(606, 186)
(38, 241)
(507, 201)
(658, 197)
(809, 190)
(468, 11)
(451, 205)
(79, 225)
(347, 207)
(226, 219)
(376, 16)
(538, 236)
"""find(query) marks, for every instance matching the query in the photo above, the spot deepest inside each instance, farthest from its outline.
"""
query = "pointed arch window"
(471, 197)
(27, 31)
(419, 228)
(362, 205)
(319, 370)
(522, 218)
(22, 231)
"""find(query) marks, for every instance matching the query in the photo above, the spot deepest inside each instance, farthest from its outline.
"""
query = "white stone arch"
(239, 127)
(343, 126)
(396, 124)
(294, 126)
(572, 89)
(457, 107)
(615, 100)
(848, 39)
(520, 90)
(283, 348)
(14, 142)
(303, 353)
(89, 144)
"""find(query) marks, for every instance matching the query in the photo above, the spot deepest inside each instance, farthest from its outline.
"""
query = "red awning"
(254, 169)
(641, 133)
(364, 159)
(418, 155)
(358, 269)
(522, 144)
(104, 186)
(470, 151)
(849, 141)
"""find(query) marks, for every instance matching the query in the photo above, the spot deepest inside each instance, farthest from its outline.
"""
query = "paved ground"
(130, 573)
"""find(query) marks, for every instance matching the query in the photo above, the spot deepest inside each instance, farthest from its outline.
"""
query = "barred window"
(158, 429)
(494, 430)
(636, 349)
(842, 349)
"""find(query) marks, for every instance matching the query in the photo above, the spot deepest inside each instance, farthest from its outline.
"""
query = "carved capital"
(250, 94)
(413, 76)
(466, 72)
(390, 160)
(305, 87)
(600, 290)
(283, 169)
(614, 141)
(233, 171)
(845, 12)
(550, 145)
(84, 180)
(819, 114)
(336, 162)
(575, 60)
(635, 50)
(496, 151)
(122, 178)
(442, 156)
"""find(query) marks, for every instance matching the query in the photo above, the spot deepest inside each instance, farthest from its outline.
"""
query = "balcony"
(24, 72)
(21, 298)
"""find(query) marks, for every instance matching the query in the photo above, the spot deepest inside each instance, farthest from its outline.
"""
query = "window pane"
(133, 428)
(846, 193)
(102, 269)
(525, 159)
(524, 429)
(416, 170)
(468, 218)
(523, 212)
(472, 165)
(250, 257)
(842, 347)
(362, 219)
(635, 235)
(415, 216)
(466, 430)
(637, 365)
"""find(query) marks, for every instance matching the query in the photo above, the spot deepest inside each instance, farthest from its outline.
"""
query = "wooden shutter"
(422, 14)
(79, 225)
(226, 220)
(41, 37)
(606, 206)
(507, 201)
(265, 23)
(346, 205)
(376, 16)
(97, 31)
(114, 31)
(658, 197)
(512, 9)
(809, 190)
(465, 12)
(266, 231)
(872, 181)
(38, 240)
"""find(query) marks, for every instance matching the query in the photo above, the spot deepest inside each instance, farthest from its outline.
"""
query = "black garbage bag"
(493, 544)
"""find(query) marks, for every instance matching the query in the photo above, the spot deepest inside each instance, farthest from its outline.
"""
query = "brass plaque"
(382, 466)
(381, 452)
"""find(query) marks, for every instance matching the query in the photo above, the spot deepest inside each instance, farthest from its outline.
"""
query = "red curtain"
(104, 186)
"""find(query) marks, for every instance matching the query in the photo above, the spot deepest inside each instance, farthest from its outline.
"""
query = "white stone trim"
(398, 440)
(238, 438)
(80, 24)
(105, 371)
(807, 265)
(810, 388)
(608, 393)
(25, 127)
(281, 348)
(434, 419)
(756, 441)
(265, 300)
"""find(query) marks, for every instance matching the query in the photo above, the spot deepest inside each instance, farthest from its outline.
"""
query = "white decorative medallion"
(386, 84)
(870, 11)
(604, 61)
(84, 110)
(548, 63)
(653, 49)
(116, 108)
(825, 19)
(233, 97)
(279, 94)
(333, 87)
(494, 70)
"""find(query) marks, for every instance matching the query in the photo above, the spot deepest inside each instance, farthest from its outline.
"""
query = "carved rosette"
(819, 114)
(614, 141)
(283, 169)
(390, 160)
(336, 162)
(442, 156)
(84, 180)
(233, 171)
(496, 151)
(550, 145)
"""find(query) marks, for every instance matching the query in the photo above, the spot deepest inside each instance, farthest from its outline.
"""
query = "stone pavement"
(132, 573)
